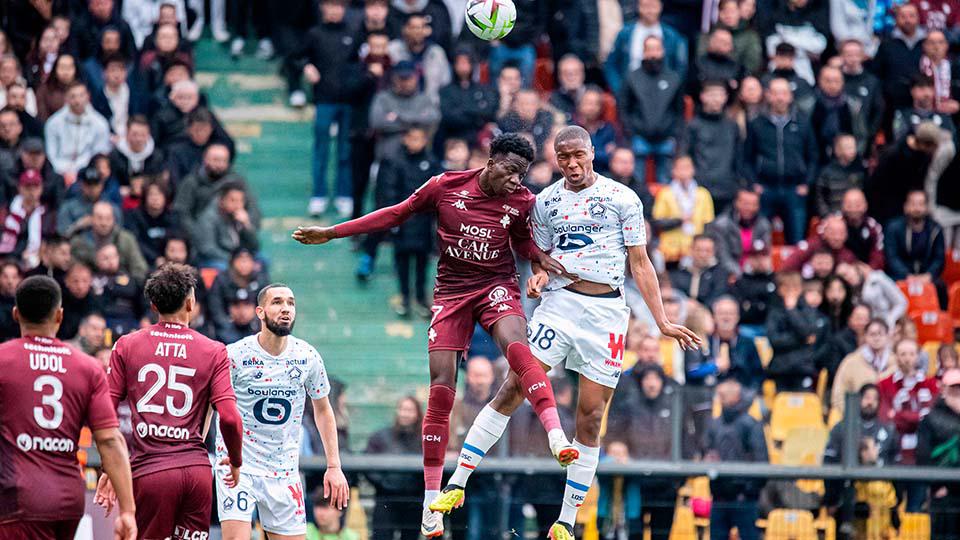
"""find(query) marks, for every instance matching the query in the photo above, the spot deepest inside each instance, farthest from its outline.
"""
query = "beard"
(277, 328)
(868, 414)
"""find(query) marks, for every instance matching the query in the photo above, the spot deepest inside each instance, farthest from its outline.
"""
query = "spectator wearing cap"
(832, 236)
(25, 221)
(169, 124)
(428, 58)
(703, 278)
(864, 87)
(186, 154)
(780, 157)
(121, 97)
(242, 279)
(119, 293)
(651, 107)
(76, 133)
(10, 278)
(844, 172)
(224, 227)
(799, 336)
(78, 299)
(153, 221)
(937, 446)
(74, 214)
(898, 59)
(103, 230)
(924, 109)
(784, 66)
(713, 141)
(747, 49)
(738, 229)
(629, 49)
(91, 22)
(571, 78)
(327, 58)
(136, 152)
(914, 245)
(466, 105)
(398, 108)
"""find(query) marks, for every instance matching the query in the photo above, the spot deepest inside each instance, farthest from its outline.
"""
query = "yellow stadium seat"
(790, 525)
(804, 446)
(931, 348)
(683, 527)
(915, 526)
(764, 350)
(826, 525)
(822, 384)
(794, 410)
(769, 390)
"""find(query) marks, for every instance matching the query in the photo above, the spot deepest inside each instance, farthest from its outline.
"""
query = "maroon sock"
(536, 385)
(436, 430)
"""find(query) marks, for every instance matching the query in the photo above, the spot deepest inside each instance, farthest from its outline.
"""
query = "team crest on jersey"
(432, 334)
(598, 210)
(499, 295)
(295, 373)
(505, 221)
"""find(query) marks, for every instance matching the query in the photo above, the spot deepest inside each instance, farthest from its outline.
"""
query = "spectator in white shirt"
(76, 133)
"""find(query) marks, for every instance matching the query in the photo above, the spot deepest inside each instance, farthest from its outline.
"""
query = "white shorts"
(587, 331)
(278, 501)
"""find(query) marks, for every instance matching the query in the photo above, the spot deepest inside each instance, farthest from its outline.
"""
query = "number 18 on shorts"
(278, 501)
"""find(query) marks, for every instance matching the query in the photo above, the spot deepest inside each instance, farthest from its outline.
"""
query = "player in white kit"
(594, 226)
(273, 374)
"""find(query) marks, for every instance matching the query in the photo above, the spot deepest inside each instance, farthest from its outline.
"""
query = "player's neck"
(586, 185)
(39, 330)
(484, 184)
(180, 317)
(271, 342)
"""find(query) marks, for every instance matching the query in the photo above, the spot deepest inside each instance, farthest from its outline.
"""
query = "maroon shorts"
(454, 317)
(175, 503)
(40, 530)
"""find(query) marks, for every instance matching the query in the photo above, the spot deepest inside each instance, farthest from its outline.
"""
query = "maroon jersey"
(169, 374)
(48, 392)
(476, 231)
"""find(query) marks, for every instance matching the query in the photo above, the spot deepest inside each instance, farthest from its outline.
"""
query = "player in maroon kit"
(171, 375)
(48, 391)
(481, 215)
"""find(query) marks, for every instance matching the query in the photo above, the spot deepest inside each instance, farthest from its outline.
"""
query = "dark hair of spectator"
(77, 83)
(921, 81)
(79, 265)
(138, 119)
(156, 182)
(262, 295)
(378, 33)
(419, 407)
(701, 236)
(115, 58)
(789, 278)
(178, 62)
(511, 143)
(54, 239)
(8, 109)
(877, 321)
(200, 115)
(510, 64)
(176, 237)
(722, 3)
(713, 83)
(785, 49)
(917, 191)
(52, 80)
(9, 262)
(37, 298)
(169, 287)
(868, 387)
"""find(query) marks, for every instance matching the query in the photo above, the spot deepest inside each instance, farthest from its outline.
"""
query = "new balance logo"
(536, 387)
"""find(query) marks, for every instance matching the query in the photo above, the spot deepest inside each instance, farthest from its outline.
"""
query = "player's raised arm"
(645, 276)
(335, 485)
(116, 467)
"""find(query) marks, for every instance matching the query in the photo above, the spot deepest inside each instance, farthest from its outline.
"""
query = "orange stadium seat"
(951, 270)
(953, 305)
(920, 296)
(610, 109)
(208, 275)
(794, 410)
(933, 326)
(790, 525)
(780, 254)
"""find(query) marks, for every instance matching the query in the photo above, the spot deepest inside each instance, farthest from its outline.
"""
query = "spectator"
(105, 230)
(736, 355)
(832, 113)
(11, 135)
(52, 94)
(629, 49)
(528, 116)
(571, 74)
(924, 109)
(119, 293)
(864, 234)
(184, 156)
(718, 63)
(747, 50)
(198, 190)
(852, 22)
(939, 15)
(843, 173)
(936, 436)
(747, 105)
(155, 62)
(17, 99)
(902, 168)
(863, 87)
(703, 278)
(328, 520)
(780, 156)
(947, 358)
(713, 141)
(798, 335)
(466, 106)
(867, 365)
(92, 334)
(434, 12)
(518, 45)
(152, 222)
(55, 258)
(848, 338)
(90, 24)
(74, 214)
(224, 227)
(9, 280)
(241, 280)
(876, 290)
(395, 110)
(428, 58)
(136, 153)
(243, 320)
(591, 115)
(121, 96)
(734, 436)
(76, 133)
(906, 396)
(898, 59)
(25, 221)
(755, 289)
(914, 244)
(832, 238)
(396, 495)
(784, 66)
(78, 299)
(623, 169)
(937, 65)
(837, 301)
(42, 56)
(651, 106)
(91, 69)
(801, 24)
(682, 208)
(169, 124)
(738, 229)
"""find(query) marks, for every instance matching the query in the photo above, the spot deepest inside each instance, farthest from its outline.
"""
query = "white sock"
(429, 495)
(579, 479)
(484, 433)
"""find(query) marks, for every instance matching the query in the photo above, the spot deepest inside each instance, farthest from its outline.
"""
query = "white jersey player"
(594, 227)
(273, 374)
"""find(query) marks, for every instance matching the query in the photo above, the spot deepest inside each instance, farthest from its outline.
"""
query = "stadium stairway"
(378, 356)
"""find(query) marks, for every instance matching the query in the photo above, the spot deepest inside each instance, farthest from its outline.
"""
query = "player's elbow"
(111, 444)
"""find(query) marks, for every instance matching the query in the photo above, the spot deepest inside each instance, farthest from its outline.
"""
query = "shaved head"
(572, 133)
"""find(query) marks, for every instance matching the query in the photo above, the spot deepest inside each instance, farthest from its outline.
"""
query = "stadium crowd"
(796, 159)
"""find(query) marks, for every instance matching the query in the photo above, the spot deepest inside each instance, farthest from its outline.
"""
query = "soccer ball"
(490, 19)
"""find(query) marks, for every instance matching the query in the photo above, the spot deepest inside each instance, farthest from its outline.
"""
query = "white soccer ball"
(490, 19)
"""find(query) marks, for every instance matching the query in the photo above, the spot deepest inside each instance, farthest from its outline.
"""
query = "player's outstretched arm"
(335, 485)
(381, 220)
(117, 481)
(231, 428)
(645, 276)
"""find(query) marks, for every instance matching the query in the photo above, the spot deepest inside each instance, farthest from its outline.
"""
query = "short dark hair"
(168, 287)
(55, 239)
(8, 109)
(867, 387)
(77, 83)
(878, 321)
(115, 58)
(37, 298)
(714, 83)
(200, 115)
(921, 81)
(138, 119)
(512, 143)
(262, 295)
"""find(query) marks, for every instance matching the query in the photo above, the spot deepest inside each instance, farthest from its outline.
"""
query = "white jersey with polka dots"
(271, 393)
(589, 231)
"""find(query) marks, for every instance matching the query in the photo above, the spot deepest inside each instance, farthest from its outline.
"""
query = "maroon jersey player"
(171, 375)
(482, 217)
(48, 392)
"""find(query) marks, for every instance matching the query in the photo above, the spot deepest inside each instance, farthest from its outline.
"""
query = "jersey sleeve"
(631, 219)
(316, 383)
(540, 223)
(220, 387)
(116, 373)
(427, 197)
(100, 411)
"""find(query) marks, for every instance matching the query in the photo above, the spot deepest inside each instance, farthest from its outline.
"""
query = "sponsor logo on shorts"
(155, 431)
(499, 295)
(183, 533)
(536, 386)
(612, 363)
(296, 491)
(29, 443)
(503, 307)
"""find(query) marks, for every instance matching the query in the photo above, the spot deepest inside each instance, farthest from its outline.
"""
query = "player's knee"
(440, 403)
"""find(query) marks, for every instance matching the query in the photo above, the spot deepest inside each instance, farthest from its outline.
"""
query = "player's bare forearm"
(231, 429)
(380, 220)
(645, 276)
(116, 464)
(206, 422)
(327, 427)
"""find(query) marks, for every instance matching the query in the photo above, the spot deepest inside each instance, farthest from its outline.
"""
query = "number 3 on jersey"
(543, 338)
(144, 405)
(51, 400)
